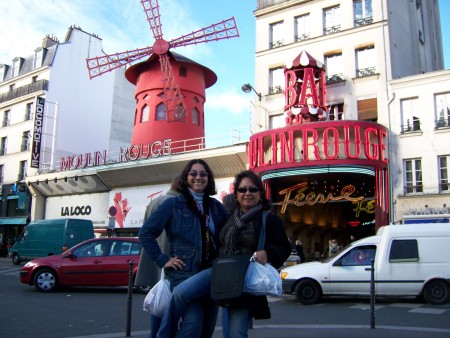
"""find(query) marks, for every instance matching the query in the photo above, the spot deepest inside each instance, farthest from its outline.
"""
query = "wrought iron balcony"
(364, 21)
(24, 90)
(335, 78)
(332, 29)
(276, 44)
(365, 71)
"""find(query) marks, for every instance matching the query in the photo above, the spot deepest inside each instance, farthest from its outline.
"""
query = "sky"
(122, 25)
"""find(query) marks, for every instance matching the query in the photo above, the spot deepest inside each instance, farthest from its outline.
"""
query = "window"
(367, 110)
(444, 170)
(28, 111)
(336, 111)
(277, 121)
(365, 61)
(276, 80)
(361, 255)
(1, 173)
(362, 10)
(6, 115)
(2, 72)
(195, 117)
(161, 112)
(413, 176)
(145, 113)
(12, 87)
(22, 170)
(25, 141)
(15, 68)
(182, 72)
(419, 11)
(302, 27)
(333, 63)
(276, 35)
(332, 20)
(3, 146)
(179, 112)
(410, 115)
(404, 250)
(37, 59)
(34, 79)
(442, 102)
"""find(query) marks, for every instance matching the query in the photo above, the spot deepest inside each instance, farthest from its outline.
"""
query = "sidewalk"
(317, 331)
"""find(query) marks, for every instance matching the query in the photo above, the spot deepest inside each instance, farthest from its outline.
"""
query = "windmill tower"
(170, 94)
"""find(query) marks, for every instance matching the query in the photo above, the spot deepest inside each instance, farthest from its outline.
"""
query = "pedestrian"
(300, 251)
(332, 248)
(192, 222)
(148, 273)
(240, 236)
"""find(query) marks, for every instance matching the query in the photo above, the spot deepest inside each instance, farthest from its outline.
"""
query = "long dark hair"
(182, 183)
(266, 204)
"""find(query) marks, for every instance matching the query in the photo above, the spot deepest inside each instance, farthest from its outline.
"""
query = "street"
(102, 312)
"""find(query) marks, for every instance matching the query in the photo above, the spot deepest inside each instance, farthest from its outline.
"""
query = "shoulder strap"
(262, 235)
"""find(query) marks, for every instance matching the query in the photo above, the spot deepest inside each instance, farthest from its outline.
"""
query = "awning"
(14, 220)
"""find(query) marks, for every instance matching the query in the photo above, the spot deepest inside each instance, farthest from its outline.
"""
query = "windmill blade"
(151, 10)
(225, 29)
(103, 64)
(176, 109)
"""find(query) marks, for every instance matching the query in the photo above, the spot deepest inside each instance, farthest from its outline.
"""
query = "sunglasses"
(202, 174)
(243, 190)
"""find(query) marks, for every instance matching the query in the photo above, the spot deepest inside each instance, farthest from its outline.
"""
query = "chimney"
(49, 41)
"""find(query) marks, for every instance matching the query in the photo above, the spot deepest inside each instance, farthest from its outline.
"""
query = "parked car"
(293, 259)
(95, 262)
(409, 260)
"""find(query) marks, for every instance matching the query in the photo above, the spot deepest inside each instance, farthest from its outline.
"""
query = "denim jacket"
(184, 235)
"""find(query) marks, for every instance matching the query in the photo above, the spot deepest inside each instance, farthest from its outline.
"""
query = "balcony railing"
(276, 44)
(364, 21)
(332, 29)
(335, 78)
(408, 127)
(442, 123)
(412, 189)
(365, 71)
(24, 90)
(302, 37)
(267, 3)
(275, 90)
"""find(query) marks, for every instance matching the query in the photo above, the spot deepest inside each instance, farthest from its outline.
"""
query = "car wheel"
(45, 280)
(307, 292)
(436, 292)
(15, 259)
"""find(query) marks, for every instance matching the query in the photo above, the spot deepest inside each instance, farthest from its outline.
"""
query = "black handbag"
(228, 274)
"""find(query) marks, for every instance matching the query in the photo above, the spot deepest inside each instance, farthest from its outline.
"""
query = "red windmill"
(161, 90)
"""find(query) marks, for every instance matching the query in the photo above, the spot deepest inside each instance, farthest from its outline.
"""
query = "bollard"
(129, 298)
(372, 293)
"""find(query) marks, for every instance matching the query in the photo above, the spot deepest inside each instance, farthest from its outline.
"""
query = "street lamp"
(247, 88)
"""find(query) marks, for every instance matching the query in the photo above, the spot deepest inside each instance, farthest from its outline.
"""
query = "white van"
(409, 260)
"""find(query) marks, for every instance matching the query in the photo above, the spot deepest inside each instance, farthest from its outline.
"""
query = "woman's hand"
(175, 263)
(261, 256)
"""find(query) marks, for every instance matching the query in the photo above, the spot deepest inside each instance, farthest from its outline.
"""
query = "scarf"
(236, 223)
(202, 213)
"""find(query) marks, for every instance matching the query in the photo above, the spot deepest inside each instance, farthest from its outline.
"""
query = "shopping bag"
(262, 280)
(158, 298)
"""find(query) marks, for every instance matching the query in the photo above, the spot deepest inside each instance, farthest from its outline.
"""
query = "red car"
(95, 262)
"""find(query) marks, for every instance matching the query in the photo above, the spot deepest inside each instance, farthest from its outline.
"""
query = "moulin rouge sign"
(309, 136)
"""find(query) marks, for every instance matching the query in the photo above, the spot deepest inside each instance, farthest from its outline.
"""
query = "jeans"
(155, 323)
(190, 302)
(238, 322)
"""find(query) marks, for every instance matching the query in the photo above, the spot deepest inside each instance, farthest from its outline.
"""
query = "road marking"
(428, 310)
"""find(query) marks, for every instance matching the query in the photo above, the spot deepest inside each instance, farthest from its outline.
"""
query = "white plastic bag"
(158, 298)
(262, 280)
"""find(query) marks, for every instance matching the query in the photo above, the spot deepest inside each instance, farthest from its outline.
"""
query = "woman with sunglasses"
(241, 236)
(192, 222)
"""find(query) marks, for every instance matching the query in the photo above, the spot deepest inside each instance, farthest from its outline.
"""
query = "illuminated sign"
(37, 133)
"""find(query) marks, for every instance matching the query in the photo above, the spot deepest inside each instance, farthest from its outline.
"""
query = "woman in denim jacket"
(192, 222)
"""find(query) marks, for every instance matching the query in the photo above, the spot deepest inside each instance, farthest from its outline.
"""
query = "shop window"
(367, 110)
(332, 20)
(302, 27)
(276, 35)
(413, 176)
